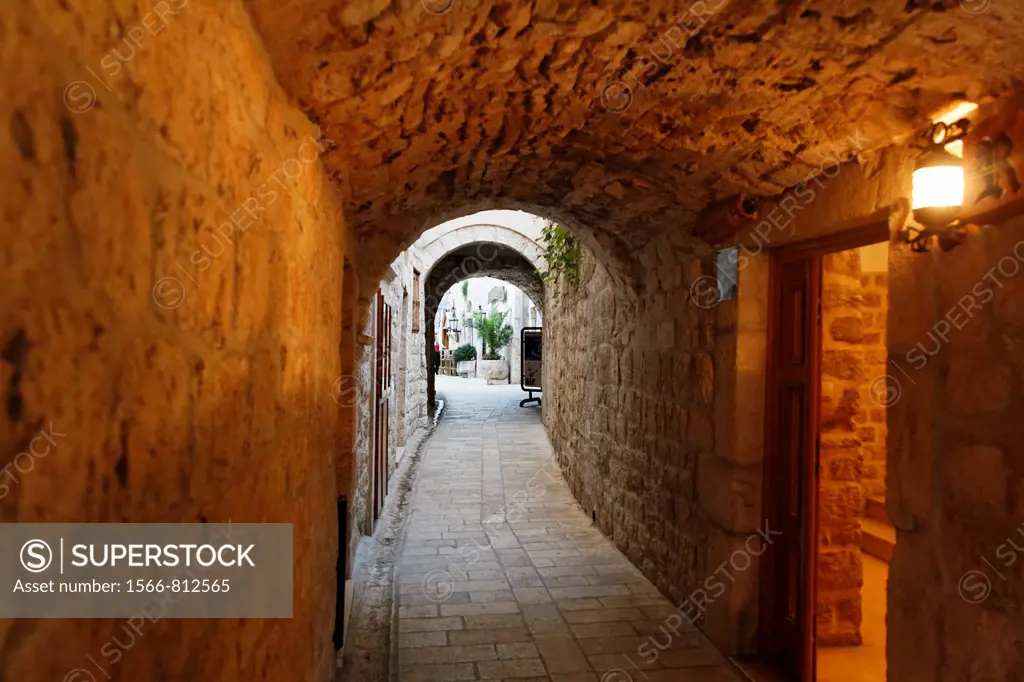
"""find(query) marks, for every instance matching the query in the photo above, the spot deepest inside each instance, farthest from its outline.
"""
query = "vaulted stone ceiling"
(439, 107)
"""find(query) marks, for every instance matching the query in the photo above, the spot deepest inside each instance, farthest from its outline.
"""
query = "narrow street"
(502, 576)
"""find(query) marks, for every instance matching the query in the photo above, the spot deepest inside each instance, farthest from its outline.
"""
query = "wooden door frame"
(380, 417)
(375, 502)
(769, 600)
(814, 250)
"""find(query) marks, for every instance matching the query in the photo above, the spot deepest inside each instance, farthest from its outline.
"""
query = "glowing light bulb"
(938, 187)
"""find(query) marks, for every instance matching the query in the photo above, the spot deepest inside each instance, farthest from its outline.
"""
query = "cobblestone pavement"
(501, 575)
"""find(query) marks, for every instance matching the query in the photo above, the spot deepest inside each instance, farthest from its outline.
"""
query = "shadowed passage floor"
(503, 577)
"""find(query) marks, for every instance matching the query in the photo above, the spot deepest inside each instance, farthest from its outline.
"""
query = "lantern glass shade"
(938, 187)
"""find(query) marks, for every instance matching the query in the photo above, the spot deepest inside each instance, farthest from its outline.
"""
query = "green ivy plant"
(561, 254)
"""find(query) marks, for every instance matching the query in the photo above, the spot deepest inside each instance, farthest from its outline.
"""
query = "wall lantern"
(453, 326)
(938, 190)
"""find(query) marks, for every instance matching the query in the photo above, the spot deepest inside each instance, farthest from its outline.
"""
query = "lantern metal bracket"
(947, 235)
(945, 133)
(919, 237)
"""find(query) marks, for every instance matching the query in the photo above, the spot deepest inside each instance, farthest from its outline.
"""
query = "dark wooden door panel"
(787, 618)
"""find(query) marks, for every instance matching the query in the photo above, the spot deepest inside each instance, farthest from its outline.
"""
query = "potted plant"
(465, 360)
(495, 334)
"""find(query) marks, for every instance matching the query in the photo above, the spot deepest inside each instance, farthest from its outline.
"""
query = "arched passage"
(202, 383)
(443, 257)
(499, 235)
(481, 259)
(380, 247)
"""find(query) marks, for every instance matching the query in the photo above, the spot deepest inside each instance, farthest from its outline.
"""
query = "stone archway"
(480, 259)
(483, 260)
(436, 249)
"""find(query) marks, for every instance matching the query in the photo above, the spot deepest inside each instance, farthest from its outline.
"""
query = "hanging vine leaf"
(561, 254)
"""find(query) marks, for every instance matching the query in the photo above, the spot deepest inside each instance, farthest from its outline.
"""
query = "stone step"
(875, 510)
(877, 539)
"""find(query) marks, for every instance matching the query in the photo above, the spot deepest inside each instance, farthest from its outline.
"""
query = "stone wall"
(415, 413)
(628, 391)
(643, 395)
(170, 293)
(872, 430)
(955, 462)
(408, 362)
(727, 109)
(408, 396)
(519, 307)
(401, 344)
(840, 494)
(361, 500)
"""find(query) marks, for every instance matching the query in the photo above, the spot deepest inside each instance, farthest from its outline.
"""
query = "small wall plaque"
(728, 273)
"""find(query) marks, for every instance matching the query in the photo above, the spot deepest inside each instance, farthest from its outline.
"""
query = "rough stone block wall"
(629, 386)
(415, 385)
(361, 507)
(955, 461)
(408, 363)
(654, 405)
(872, 430)
(170, 294)
(954, 468)
(415, 409)
(408, 377)
(840, 493)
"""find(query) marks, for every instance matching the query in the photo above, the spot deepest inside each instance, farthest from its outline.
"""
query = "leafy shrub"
(466, 351)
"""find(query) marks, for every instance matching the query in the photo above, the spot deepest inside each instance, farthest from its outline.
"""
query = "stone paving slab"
(502, 577)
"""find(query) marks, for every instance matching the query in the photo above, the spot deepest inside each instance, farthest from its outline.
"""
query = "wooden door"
(788, 580)
(381, 404)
